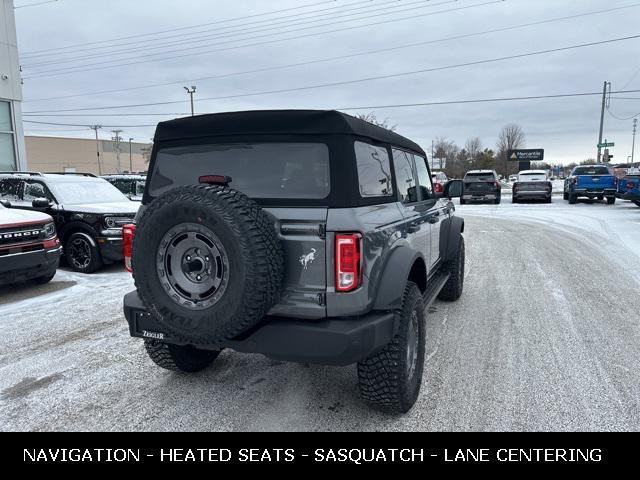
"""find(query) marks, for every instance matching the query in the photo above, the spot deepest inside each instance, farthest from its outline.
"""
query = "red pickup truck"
(29, 247)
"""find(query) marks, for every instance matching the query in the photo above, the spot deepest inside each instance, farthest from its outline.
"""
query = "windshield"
(591, 171)
(78, 193)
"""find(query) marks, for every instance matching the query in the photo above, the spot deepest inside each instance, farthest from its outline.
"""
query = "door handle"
(413, 229)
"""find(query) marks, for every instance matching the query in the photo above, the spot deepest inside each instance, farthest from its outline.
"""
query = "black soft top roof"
(278, 122)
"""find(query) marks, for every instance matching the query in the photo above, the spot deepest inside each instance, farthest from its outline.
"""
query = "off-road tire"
(95, 260)
(185, 359)
(253, 251)
(384, 378)
(452, 290)
(611, 200)
(572, 199)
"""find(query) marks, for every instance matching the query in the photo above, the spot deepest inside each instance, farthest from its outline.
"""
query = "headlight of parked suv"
(49, 230)
(116, 222)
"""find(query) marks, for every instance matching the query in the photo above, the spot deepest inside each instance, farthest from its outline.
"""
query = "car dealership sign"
(535, 155)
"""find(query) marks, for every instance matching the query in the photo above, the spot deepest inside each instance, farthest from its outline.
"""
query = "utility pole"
(604, 104)
(191, 91)
(116, 138)
(633, 144)
(130, 157)
(96, 128)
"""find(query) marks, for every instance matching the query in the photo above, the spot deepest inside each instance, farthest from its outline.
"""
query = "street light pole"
(130, 157)
(191, 91)
(633, 144)
(117, 139)
(96, 128)
(604, 104)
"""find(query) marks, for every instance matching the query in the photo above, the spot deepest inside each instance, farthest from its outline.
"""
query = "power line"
(140, 35)
(399, 105)
(350, 82)
(275, 26)
(100, 66)
(34, 4)
(197, 36)
(625, 119)
(343, 57)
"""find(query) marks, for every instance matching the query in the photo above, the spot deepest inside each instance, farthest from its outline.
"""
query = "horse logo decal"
(308, 259)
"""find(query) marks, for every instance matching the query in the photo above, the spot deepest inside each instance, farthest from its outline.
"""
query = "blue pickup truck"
(591, 181)
(629, 188)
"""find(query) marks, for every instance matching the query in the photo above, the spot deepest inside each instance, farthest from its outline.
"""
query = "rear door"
(431, 209)
(415, 228)
(302, 233)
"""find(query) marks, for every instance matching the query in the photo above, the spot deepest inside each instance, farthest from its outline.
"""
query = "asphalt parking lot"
(545, 337)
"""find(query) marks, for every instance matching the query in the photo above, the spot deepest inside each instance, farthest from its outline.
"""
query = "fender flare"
(456, 228)
(77, 227)
(394, 278)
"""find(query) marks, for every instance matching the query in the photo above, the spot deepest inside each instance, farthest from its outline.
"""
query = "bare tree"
(448, 150)
(511, 138)
(372, 118)
(474, 150)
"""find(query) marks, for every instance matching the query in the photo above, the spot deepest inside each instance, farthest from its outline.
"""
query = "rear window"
(259, 170)
(591, 171)
(480, 177)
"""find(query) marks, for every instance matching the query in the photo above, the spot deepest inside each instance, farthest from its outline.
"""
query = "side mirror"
(453, 189)
(41, 204)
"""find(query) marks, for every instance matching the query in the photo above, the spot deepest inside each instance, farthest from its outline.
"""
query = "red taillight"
(215, 179)
(348, 262)
(498, 185)
(128, 234)
(438, 188)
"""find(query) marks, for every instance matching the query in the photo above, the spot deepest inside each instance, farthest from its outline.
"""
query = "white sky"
(566, 128)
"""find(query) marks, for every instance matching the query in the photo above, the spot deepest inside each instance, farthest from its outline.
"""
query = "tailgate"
(479, 188)
(533, 187)
(302, 234)
(596, 181)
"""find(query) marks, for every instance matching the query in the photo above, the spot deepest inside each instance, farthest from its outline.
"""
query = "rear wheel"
(462, 201)
(186, 359)
(572, 198)
(637, 203)
(548, 200)
(455, 268)
(514, 200)
(565, 196)
(81, 252)
(390, 380)
(600, 198)
(611, 200)
(497, 201)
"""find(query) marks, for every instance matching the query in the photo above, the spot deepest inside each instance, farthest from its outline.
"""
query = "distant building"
(12, 149)
(60, 154)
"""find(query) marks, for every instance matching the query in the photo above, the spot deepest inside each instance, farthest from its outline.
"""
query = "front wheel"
(185, 359)
(390, 380)
(81, 252)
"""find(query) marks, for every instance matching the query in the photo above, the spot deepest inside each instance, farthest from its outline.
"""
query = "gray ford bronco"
(306, 236)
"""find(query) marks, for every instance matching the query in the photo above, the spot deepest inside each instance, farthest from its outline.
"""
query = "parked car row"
(84, 213)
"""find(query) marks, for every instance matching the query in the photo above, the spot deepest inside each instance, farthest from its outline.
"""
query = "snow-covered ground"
(545, 337)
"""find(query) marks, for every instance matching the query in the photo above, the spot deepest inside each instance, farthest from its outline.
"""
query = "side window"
(374, 170)
(405, 176)
(123, 185)
(424, 179)
(34, 190)
(9, 189)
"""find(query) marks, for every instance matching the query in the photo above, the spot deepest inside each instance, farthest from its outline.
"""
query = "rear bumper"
(532, 194)
(594, 191)
(21, 267)
(480, 196)
(334, 341)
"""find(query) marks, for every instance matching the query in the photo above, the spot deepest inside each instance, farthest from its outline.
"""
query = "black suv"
(130, 184)
(88, 212)
(481, 186)
(307, 236)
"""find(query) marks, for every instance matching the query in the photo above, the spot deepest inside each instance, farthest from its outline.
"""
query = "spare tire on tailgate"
(207, 263)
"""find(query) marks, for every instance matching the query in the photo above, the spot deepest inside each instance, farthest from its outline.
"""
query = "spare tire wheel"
(207, 263)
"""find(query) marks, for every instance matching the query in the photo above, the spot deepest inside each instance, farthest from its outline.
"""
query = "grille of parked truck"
(307, 236)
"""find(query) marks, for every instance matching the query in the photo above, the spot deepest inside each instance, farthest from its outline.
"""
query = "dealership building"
(12, 147)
